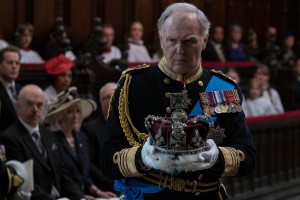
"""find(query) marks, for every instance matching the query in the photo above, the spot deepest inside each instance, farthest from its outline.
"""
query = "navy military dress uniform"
(143, 91)
(9, 179)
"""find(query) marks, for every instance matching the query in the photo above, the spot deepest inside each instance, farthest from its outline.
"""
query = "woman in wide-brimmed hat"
(65, 113)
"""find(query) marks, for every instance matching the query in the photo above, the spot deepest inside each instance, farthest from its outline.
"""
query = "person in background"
(236, 49)
(137, 51)
(3, 43)
(24, 38)
(215, 50)
(28, 139)
(65, 113)
(296, 84)
(59, 72)
(263, 74)
(288, 54)
(9, 89)
(95, 132)
(252, 47)
(232, 73)
(178, 88)
(111, 52)
(256, 104)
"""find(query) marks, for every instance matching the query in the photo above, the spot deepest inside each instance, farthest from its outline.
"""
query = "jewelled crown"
(179, 133)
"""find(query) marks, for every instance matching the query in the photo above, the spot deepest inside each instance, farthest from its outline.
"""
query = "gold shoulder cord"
(124, 116)
(112, 97)
(232, 158)
(125, 159)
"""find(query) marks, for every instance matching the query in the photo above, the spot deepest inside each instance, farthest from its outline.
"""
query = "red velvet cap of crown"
(58, 65)
(188, 129)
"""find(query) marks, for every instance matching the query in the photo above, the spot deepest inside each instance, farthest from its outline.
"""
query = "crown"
(179, 133)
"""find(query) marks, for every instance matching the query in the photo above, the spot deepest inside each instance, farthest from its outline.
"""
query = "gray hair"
(187, 7)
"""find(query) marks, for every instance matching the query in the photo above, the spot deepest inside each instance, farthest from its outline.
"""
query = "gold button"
(200, 83)
(168, 109)
(167, 81)
(168, 94)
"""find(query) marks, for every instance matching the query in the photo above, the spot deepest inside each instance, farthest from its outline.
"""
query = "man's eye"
(172, 40)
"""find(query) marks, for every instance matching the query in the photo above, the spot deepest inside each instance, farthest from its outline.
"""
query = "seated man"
(95, 133)
(27, 139)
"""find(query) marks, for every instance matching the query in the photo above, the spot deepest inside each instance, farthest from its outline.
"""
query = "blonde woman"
(66, 112)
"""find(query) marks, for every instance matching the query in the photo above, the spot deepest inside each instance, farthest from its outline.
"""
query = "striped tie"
(13, 93)
(38, 142)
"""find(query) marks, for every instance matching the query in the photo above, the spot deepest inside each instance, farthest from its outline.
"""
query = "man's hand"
(156, 160)
(199, 161)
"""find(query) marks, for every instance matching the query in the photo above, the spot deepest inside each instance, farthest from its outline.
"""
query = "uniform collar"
(188, 78)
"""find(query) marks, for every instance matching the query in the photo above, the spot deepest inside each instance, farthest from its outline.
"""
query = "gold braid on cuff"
(126, 162)
(232, 157)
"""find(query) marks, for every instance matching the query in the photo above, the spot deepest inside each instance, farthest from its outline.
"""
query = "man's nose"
(179, 48)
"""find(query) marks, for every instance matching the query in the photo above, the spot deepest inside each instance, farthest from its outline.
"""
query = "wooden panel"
(6, 18)
(81, 20)
(22, 11)
(45, 12)
(218, 16)
(144, 9)
(117, 20)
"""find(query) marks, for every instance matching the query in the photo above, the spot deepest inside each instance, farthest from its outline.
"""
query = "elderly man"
(174, 130)
(9, 89)
(27, 139)
(95, 132)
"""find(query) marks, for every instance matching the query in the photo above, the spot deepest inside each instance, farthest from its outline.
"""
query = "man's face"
(10, 66)
(181, 42)
(30, 107)
(108, 34)
(105, 98)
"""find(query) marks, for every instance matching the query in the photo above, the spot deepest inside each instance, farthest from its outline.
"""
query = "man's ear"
(204, 43)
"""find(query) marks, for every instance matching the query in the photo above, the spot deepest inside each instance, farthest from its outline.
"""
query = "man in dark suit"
(9, 71)
(26, 139)
(215, 50)
(95, 130)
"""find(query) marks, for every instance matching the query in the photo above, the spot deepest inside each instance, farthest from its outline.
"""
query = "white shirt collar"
(29, 128)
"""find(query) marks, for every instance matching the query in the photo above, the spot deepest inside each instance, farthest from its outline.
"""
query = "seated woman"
(256, 104)
(65, 113)
(59, 72)
(24, 39)
(263, 73)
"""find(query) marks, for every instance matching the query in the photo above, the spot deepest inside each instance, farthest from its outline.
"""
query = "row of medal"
(217, 102)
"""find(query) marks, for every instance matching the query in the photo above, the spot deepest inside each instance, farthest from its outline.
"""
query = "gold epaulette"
(232, 158)
(143, 66)
(222, 75)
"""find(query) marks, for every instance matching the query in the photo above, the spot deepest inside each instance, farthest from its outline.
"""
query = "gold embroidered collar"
(189, 77)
